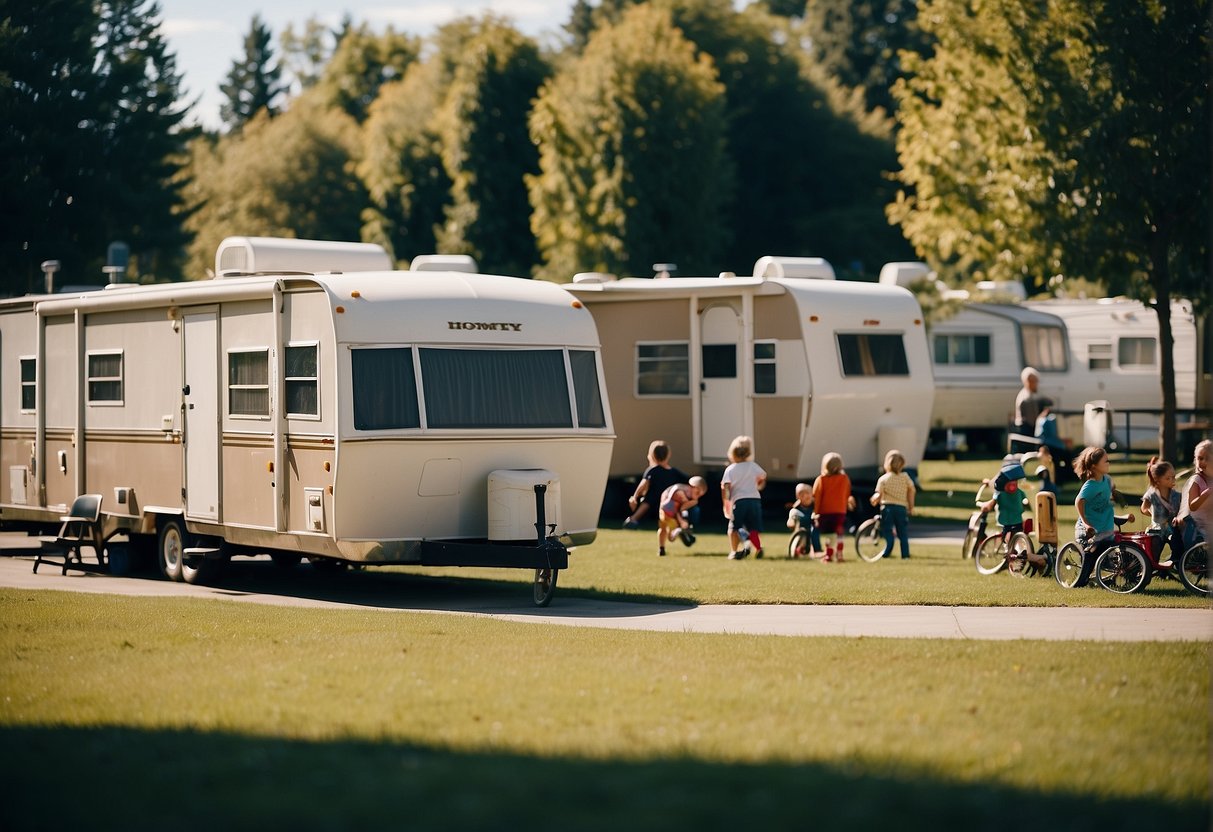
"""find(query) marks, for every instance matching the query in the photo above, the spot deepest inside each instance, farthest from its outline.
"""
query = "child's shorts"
(747, 514)
(831, 523)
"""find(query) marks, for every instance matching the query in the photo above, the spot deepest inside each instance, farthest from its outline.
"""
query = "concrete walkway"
(257, 582)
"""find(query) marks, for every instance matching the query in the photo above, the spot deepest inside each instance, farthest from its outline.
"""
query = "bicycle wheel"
(1018, 550)
(869, 540)
(1068, 568)
(991, 554)
(798, 544)
(1122, 568)
(1194, 569)
(966, 548)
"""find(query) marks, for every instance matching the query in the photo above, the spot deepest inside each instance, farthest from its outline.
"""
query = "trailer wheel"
(170, 551)
(545, 586)
(199, 570)
(286, 561)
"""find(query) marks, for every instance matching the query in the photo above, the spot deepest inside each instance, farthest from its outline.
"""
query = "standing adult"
(1028, 405)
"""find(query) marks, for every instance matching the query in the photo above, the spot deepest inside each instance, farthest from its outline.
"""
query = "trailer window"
(663, 370)
(248, 383)
(1044, 348)
(590, 412)
(105, 378)
(385, 389)
(869, 354)
(495, 389)
(29, 382)
(1136, 353)
(302, 380)
(764, 367)
(1099, 356)
(962, 349)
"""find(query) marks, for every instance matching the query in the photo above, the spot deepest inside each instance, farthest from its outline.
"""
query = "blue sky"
(207, 35)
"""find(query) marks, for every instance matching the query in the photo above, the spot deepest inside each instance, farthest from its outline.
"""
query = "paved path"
(257, 581)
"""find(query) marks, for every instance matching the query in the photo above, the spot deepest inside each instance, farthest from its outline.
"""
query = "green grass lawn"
(148, 713)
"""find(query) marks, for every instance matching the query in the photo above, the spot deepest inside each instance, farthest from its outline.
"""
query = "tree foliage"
(1069, 140)
(90, 135)
(254, 83)
(291, 176)
(859, 43)
(632, 160)
(362, 63)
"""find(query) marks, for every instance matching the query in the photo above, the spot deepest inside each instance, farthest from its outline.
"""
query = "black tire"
(1018, 549)
(545, 585)
(1194, 569)
(1067, 570)
(799, 544)
(991, 554)
(869, 540)
(199, 571)
(1122, 568)
(171, 544)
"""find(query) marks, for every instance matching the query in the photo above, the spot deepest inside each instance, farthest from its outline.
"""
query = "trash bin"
(1096, 424)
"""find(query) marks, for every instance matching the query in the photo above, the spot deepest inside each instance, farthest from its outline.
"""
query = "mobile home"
(1085, 350)
(371, 417)
(805, 365)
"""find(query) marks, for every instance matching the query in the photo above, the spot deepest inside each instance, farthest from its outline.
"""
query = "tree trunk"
(1160, 279)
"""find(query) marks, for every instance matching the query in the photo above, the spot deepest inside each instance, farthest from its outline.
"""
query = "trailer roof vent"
(593, 277)
(237, 256)
(444, 263)
(903, 274)
(815, 268)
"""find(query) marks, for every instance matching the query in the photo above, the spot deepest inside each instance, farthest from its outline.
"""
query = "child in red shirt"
(832, 496)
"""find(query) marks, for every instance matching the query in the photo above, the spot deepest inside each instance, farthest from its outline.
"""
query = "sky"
(207, 35)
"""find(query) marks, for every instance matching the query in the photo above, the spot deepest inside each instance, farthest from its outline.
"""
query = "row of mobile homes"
(803, 363)
(1085, 351)
(372, 417)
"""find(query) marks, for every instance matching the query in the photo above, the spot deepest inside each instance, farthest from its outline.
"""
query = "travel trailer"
(805, 365)
(1085, 350)
(353, 416)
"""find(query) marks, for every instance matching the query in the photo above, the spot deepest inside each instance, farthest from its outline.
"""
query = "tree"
(306, 53)
(91, 136)
(142, 139)
(47, 91)
(254, 82)
(487, 151)
(633, 166)
(1042, 143)
(291, 176)
(858, 43)
(362, 63)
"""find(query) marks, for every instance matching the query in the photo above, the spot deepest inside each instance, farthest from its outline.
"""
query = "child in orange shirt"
(832, 496)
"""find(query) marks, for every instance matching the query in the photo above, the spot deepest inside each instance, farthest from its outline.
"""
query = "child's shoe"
(829, 558)
(661, 552)
(630, 524)
(687, 537)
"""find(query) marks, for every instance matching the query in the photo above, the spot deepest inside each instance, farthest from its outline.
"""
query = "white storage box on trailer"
(512, 503)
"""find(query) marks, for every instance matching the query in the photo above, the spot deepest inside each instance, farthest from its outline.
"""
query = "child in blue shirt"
(1096, 514)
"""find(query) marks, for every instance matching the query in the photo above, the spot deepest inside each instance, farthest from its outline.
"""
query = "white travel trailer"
(371, 417)
(1085, 350)
(805, 365)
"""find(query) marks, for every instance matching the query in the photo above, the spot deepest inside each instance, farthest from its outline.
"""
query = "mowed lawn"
(152, 713)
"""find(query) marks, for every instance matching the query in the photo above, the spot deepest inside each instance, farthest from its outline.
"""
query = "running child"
(740, 489)
(675, 500)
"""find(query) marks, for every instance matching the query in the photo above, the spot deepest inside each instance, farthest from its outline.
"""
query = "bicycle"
(1193, 568)
(1011, 545)
(1125, 564)
(800, 544)
(978, 521)
(869, 539)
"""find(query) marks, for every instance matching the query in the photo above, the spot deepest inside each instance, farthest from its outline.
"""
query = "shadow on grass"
(116, 778)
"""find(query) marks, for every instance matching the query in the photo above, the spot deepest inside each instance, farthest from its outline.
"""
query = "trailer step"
(201, 552)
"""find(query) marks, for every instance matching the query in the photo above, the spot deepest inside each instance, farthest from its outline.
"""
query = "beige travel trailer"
(804, 364)
(368, 417)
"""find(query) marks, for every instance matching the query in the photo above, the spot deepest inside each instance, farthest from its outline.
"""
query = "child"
(1096, 516)
(1010, 503)
(1161, 501)
(895, 496)
(832, 496)
(739, 489)
(659, 476)
(1196, 503)
(675, 500)
(800, 517)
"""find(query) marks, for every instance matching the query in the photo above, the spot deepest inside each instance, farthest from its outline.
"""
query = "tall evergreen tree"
(254, 82)
(143, 140)
(48, 110)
